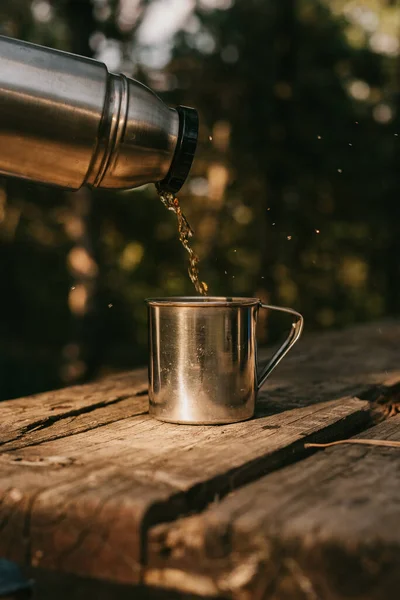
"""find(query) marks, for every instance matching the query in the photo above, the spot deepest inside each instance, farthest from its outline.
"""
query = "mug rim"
(203, 301)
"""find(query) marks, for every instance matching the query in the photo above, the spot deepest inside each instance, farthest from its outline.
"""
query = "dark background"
(295, 198)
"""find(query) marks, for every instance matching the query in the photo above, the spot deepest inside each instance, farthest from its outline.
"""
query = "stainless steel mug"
(203, 358)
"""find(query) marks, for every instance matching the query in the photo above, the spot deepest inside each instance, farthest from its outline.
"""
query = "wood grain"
(49, 585)
(84, 472)
(328, 527)
(30, 420)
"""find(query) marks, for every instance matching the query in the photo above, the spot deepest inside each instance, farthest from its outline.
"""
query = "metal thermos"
(65, 120)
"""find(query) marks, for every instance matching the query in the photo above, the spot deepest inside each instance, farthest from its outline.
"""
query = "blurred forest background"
(294, 196)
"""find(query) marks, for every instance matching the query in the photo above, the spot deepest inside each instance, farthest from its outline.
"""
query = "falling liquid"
(185, 233)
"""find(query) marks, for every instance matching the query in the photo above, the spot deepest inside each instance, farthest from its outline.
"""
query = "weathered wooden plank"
(78, 492)
(337, 363)
(48, 585)
(327, 527)
(81, 503)
(322, 367)
(358, 358)
(30, 420)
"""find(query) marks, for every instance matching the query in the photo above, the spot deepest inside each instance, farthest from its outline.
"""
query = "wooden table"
(98, 500)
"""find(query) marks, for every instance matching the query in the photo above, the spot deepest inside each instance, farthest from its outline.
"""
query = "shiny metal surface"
(203, 358)
(65, 120)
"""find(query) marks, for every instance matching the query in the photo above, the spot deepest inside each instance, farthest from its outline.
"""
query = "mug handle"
(295, 333)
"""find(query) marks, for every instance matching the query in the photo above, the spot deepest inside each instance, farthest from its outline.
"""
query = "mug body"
(202, 364)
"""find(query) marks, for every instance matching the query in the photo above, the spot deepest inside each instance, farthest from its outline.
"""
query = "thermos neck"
(64, 120)
(140, 139)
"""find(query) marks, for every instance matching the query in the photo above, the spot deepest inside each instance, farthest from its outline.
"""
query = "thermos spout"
(66, 121)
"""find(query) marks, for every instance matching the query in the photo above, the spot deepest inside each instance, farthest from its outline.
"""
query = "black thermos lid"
(184, 151)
